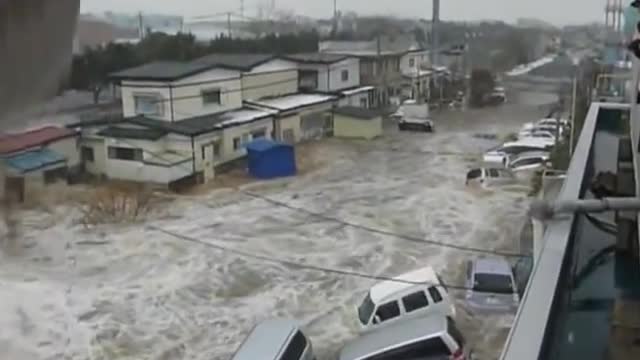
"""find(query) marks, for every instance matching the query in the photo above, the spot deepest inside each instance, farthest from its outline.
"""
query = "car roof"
(395, 335)
(266, 340)
(532, 154)
(385, 289)
(491, 266)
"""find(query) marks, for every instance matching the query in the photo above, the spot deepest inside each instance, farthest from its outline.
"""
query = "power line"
(297, 264)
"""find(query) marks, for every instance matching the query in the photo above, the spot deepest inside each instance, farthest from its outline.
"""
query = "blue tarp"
(269, 159)
(33, 160)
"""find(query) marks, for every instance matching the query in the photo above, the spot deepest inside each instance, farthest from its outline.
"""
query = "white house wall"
(227, 151)
(274, 65)
(352, 65)
(268, 84)
(420, 57)
(355, 100)
(98, 166)
(333, 81)
(186, 94)
(67, 147)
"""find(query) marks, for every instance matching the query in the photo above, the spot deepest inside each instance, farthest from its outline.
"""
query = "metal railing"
(528, 336)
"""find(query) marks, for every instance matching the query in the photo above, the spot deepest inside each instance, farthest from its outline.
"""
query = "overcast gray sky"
(554, 11)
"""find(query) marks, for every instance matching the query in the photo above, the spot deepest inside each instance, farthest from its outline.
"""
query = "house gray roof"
(242, 62)
(317, 58)
(358, 112)
(132, 133)
(161, 71)
(201, 124)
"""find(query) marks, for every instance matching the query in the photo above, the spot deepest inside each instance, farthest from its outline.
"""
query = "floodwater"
(132, 292)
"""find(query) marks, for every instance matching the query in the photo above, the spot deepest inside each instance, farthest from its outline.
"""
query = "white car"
(553, 122)
(530, 161)
(390, 301)
(502, 154)
(536, 134)
(488, 177)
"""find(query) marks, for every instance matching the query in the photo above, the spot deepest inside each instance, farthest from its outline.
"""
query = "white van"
(416, 293)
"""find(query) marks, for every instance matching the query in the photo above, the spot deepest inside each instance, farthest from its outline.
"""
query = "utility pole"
(140, 26)
(229, 24)
(335, 16)
(435, 23)
(381, 76)
(573, 112)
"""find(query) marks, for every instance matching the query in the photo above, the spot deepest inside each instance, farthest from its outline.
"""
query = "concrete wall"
(291, 122)
(186, 94)
(348, 127)
(69, 148)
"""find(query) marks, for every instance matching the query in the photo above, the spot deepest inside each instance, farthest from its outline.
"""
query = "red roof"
(10, 143)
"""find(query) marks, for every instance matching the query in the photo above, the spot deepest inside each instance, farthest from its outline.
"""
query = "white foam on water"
(142, 294)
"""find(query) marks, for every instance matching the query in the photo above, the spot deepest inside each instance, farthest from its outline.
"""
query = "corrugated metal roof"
(10, 143)
(34, 160)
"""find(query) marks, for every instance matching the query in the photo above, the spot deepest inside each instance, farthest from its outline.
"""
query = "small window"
(204, 150)
(412, 62)
(148, 105)
(236, 143)
(211, 97)
(345, 75)
(530, 161)
(415, 301)
(296, 347)
(388, 311)
(258, 134)
(216, 149)
(120, 153)
(435, 294)
(474, 174)
(86, 153)
(494, 173)
(363, 102)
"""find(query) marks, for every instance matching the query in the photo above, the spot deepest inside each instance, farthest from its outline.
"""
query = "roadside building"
(333, 73)
(299, 116)
(355, 122)
(32, 159)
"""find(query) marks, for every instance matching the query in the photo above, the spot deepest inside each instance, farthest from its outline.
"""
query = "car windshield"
(366, 309)
(493, 283)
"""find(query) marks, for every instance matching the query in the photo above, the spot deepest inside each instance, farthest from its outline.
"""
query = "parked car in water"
(409, 124)
(530, 161)
(275, 339)
(391, 301)
(502, 154)
(492, 286)
(553, 122)
(429, 337)
(536, 134)
(488, 177)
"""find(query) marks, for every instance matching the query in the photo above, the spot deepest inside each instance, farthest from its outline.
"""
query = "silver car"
(275, 339)
(491, 286)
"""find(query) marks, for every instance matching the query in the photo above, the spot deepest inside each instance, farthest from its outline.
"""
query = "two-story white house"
(183, 121)
(415, 66)
(333, 73)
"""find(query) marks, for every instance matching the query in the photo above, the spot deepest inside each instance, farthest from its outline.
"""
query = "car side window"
(415, 301)
(435, 294)
(493, 173)
(387, 311)
(296, 347)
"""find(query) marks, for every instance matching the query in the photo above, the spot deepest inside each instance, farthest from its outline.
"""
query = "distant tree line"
(90, 69)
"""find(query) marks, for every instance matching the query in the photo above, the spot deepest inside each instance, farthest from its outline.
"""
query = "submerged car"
(416, 293)
(492, 286)
(432, 337)
(409, 124)
(488, 177)
(503, 154)
(530, 161)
